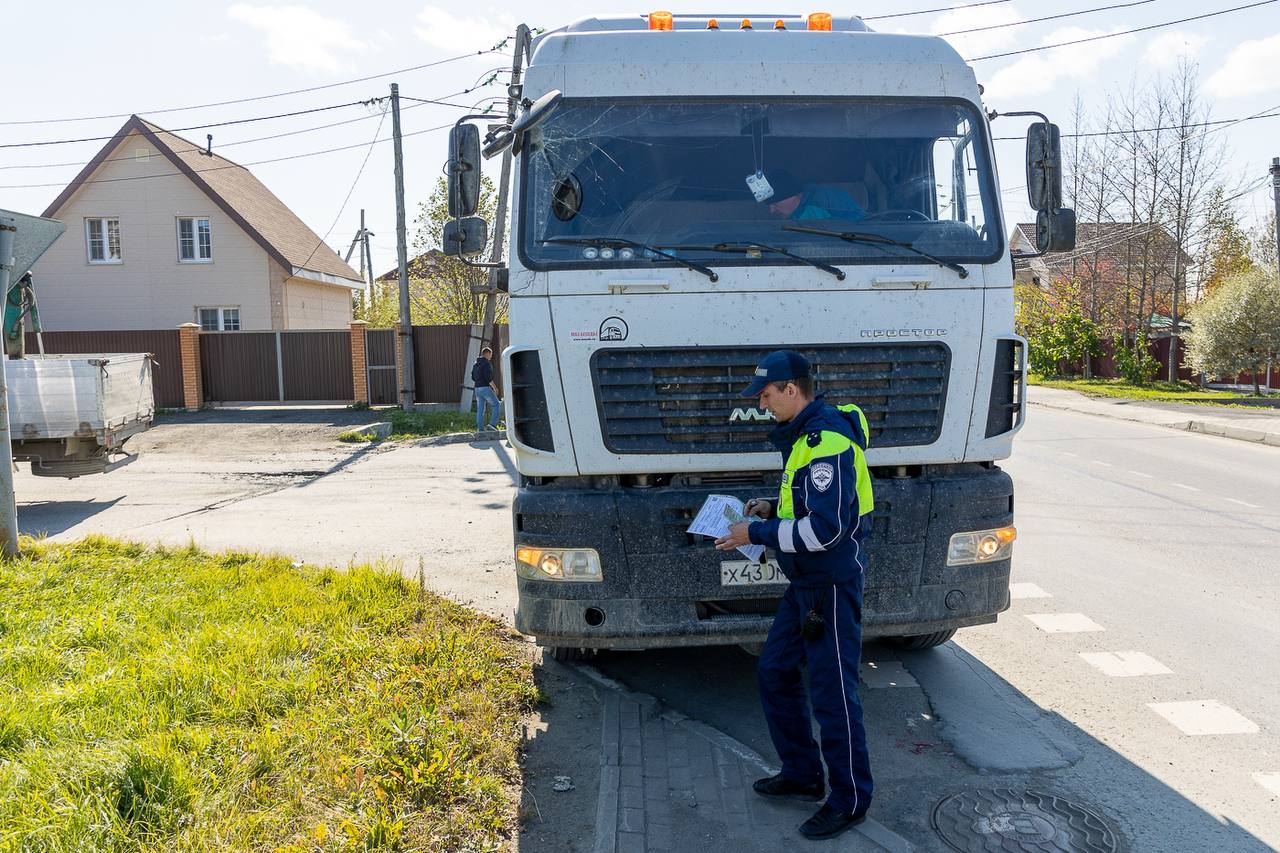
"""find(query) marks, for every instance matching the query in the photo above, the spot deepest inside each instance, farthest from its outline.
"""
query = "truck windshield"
(685, 174)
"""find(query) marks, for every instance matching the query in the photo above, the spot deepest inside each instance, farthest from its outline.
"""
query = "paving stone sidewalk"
(670, 784)
(1260, 425)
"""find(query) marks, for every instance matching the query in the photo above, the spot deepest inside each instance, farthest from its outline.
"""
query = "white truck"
(653, 263)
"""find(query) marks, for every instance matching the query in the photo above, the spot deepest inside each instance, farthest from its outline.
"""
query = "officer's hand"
(759, 508)
(737, 536)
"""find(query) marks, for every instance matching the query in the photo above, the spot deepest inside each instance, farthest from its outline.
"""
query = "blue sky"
(78, 59)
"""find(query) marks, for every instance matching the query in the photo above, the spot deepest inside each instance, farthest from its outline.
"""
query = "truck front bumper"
(662, 587)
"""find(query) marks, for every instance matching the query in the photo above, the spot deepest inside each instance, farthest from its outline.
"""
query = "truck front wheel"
(920, 641)
(571, 654)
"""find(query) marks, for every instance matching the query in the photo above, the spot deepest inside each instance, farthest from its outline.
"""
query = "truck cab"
(698, 192)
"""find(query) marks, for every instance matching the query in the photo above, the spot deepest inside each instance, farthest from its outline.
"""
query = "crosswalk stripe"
(1125, 664)
(1204, 717)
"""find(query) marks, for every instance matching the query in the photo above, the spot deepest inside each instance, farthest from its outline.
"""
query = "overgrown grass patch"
(353, 436)
(1160, 392)
(169, 699)
(417, 424)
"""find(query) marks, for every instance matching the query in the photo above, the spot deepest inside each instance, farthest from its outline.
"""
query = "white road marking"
(1185, 486)
(885, 673)
(1069, 453)
(1243, 503)
(1064, 623)
(1026, 590)
(1103, 464)
(1204, 717)
(1125, 664)
(1270, 781)
(1140, 474)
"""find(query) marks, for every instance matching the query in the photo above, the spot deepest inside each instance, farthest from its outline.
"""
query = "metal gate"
(284, 366)
(380, 363)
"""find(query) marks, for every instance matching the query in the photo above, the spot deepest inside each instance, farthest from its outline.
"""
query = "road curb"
(1221, 430)
(607, 805)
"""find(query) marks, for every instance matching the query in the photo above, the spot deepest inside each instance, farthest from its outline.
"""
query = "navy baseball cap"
(778, 366)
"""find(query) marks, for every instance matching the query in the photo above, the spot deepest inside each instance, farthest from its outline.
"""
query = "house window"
(102, 239)
(219, 319)
(195, 243)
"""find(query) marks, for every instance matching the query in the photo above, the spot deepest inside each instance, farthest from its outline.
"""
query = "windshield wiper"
(747, 248)
(618, 242)
(876, 239)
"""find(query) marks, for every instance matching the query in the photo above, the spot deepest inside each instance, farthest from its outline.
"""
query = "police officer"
(818, 530)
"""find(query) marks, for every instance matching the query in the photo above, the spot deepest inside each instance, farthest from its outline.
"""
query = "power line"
(423, 102)
(1124, 130)
(497, 47)
(1121, 33)
(229, 164)
(1048, 18)
(194, 126)
(932, 11)
(359, 173)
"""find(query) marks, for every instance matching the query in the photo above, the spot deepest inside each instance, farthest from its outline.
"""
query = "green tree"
(1227, 245)
(440, 287)
(1054, 324)
(1237, 329)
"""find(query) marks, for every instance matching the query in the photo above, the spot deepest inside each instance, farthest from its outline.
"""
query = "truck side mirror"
(1044, 166)
(464, 170)
(466, 236)
(1056, 230)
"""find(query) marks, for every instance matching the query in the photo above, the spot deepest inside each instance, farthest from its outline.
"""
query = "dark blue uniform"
(819, 533)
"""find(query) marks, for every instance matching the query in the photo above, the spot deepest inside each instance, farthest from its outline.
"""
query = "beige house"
(161, 233)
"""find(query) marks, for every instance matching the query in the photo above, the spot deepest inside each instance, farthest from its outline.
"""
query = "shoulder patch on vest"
(822, 474)
(815, 438)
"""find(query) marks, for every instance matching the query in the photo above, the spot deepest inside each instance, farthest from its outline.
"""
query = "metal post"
(8, 508)
(1275, 192)
(487, 338)
(407, 390)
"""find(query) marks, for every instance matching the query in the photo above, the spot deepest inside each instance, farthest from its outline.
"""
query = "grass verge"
(1159, 392)
(352, 436)
(417, 424)
(169, 699)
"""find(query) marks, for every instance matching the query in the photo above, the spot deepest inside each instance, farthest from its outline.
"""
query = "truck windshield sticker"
(669, 175)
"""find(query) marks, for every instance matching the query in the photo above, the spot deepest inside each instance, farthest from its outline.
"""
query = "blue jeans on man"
(486, 399)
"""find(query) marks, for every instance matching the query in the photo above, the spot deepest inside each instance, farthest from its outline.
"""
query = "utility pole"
(500, 212)
(1275, 192)
(366, 262)
(407, 390)
(8, 507)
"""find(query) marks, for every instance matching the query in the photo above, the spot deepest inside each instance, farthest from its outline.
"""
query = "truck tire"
(571, 654)
(920, 641)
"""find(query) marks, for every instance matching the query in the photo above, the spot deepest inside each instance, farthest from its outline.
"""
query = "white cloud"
(299, 38)
(1250, 69)
(973, 44)
(1037, 73)
(1166, 49)
(447, 31)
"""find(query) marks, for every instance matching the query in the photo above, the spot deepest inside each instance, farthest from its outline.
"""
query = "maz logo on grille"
(749, 415)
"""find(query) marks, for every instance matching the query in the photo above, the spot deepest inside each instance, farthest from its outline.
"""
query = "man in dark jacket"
(818, 530)
(486, 392)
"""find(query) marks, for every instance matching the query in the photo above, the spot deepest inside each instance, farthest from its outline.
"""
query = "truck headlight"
(981, 546)
(558, 564)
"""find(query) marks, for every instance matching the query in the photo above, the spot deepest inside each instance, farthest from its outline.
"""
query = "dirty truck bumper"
(662, 587)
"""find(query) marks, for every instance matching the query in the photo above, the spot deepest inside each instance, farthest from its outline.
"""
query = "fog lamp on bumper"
(559, 564)
(981, 546)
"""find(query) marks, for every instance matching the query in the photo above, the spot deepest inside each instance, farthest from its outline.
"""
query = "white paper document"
(714, 519)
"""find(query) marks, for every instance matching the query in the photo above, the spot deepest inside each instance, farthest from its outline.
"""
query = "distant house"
(1110, 252)
(161, 233)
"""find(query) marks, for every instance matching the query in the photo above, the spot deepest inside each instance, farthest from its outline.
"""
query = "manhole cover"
(1007, 820)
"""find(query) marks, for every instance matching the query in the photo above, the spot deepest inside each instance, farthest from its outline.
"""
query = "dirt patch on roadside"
(252, 435)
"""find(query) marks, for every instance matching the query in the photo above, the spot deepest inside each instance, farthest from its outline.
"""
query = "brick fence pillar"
(192, 385)
(359, 363)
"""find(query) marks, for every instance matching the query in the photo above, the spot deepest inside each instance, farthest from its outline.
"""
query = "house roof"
(240, 195)
(1110, 241)
(419, 265)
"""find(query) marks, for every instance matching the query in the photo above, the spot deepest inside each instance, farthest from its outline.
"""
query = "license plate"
(748, 573)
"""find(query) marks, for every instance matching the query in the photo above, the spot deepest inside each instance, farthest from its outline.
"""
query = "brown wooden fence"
(440, 361)
(285, 366)
(166, 374)
(380, 358)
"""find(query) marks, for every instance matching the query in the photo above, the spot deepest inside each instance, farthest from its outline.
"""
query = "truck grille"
(686, 400)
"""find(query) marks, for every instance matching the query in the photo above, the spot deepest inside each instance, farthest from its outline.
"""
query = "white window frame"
(105, 233)
(222, 317)
(195, 238)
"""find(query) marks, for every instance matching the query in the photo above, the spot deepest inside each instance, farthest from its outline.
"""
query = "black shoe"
(828, 823)
(779, 786)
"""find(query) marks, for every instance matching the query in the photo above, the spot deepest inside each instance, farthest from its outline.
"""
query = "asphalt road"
(1164, 545)
(1154, 553)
